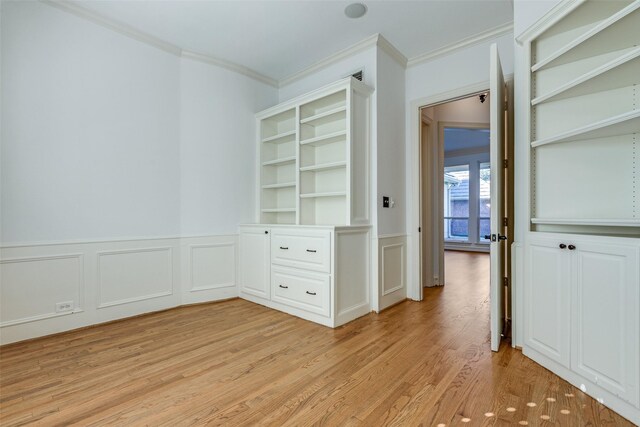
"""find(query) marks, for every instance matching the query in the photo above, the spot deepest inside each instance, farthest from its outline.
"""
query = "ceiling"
(281, 38)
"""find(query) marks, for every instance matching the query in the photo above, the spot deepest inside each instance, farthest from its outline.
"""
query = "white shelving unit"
(585, 122)
(314, 158)
(580, 293)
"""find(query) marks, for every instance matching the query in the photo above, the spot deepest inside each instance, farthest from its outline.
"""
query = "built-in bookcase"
(314, 157)
(585, 122)
(278, 154)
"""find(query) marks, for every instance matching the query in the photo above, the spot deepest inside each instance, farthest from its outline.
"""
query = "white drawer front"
(306, 291)
(308, 250)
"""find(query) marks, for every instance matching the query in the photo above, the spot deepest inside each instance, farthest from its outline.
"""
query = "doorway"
(428, 234)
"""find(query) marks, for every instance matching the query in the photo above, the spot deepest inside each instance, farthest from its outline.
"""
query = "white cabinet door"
(605, 324)
(255, 261)
(547, 292)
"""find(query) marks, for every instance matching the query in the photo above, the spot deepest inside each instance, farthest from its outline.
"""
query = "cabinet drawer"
(306, 291)
(310, 250)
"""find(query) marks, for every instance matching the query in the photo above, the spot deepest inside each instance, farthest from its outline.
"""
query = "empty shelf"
(588, 221)
(621, 60)
(619, 125)
(280, 136)
(276, 210)
(324, 166)
(325, 117)
(325, 194)
(282, 161)
(587, 35)
(282, 185)
(325, 139)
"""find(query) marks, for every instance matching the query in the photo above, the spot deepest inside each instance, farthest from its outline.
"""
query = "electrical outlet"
(62, 307)
(385, 201)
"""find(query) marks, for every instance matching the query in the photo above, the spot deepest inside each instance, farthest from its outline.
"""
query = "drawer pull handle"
(284, 287)
(312, 250)
(284, 248)
(311, 293)
(563, 246)
(572, 247)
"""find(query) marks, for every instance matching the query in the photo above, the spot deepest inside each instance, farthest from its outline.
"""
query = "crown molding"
(392, 51)
(466, 42)
(342, 54)
(229, 66)
(554, 15)
(129, 31)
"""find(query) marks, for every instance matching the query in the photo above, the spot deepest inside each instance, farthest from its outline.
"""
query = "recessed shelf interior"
(606, 46)
(581, 21)
(323, 210)
(620, 72)
(278, 125)
(323, 105)
(323, 181)
(588, 21)
(594, 178)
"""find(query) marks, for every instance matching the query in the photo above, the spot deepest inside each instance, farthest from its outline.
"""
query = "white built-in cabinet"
(581, 294)
(309, 252)
(319, 273)
(313, 157)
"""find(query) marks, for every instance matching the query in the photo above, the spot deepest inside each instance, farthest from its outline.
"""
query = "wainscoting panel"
(126, 276)
(108, 280)
(392, 270)
(209, 268)
(32, 286)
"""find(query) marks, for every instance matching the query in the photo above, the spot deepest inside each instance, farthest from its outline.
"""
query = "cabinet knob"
(266, 231)
(562, 246)
(311, 293)
(571, 247)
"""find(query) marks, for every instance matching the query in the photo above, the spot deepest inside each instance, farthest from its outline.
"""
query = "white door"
(497, 107)
(546, 298)
(605, 317)
(255, 262)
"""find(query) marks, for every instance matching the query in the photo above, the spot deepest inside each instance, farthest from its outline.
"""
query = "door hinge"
(505, 281)
(505, 221)
(505, 163)
(419, 229)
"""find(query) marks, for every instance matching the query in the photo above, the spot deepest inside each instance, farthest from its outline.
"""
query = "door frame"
(414, 283)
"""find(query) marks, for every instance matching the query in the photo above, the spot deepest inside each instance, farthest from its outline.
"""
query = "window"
(484, 203)
(467, 203)
(456, 203)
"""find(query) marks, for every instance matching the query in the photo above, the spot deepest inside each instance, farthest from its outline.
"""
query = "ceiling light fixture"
(355, 10)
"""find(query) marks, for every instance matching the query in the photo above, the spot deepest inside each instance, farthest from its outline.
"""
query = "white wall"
(217, 147)
(391, 144)
(90, 130)
(111, 150)
(527, 12)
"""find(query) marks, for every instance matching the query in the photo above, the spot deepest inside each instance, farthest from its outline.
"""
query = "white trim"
(80, 290)
(128, 31)
(552, 17)
(111, 24)
(332, 59)
(231, 284)
(111, 240)
(241, 69)
(466, 42)
(391, 235)
(99, 254)
(392, 51)
(383, 248)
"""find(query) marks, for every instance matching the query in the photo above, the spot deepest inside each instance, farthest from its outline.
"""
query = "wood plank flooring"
(238, 363)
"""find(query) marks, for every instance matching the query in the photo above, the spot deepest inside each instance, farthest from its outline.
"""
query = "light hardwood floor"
(237, 363)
